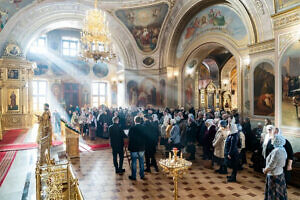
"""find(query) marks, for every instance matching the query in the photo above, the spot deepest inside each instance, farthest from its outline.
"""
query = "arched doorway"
(210, 78)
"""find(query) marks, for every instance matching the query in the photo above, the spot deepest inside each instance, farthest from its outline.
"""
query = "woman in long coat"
(275, 182)
(219, 145)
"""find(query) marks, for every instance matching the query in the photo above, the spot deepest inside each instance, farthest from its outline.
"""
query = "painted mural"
(282, 5)
(264, 90)
(144, 92)
(100, 70)
(147, 93)
(290, 78)
(189, 92)
(82, 66)
(132, 91)
(217, 18)
(148, 61)
(144, 24)
(204, 77)
(8, 8)
(162, 92)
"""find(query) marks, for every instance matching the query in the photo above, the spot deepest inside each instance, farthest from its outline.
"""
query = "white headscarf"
(266, 139)
(233, 129)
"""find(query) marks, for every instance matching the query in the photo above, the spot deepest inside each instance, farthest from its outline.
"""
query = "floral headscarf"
(279, 141)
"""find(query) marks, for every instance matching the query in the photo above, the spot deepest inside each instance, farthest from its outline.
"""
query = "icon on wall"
(13, 74)
(13, 99)
(148, 62)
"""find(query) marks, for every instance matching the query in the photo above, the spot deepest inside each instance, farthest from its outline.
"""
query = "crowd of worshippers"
(224, 137)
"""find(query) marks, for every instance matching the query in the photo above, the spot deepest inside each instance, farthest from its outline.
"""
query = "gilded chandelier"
(95, 36)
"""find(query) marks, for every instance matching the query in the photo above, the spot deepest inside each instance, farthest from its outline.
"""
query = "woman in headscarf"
(290, 154)
(219, 144)
(208, 138)
(174, 139)
(268, 136)
(275, 182)
(231, 152)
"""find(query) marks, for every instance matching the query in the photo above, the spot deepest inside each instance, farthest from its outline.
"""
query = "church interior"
(205, 94)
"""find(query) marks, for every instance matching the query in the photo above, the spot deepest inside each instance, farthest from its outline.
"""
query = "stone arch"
(188, 10)
(212, 39)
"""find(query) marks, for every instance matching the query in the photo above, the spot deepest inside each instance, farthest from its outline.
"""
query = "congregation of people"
(224, 137)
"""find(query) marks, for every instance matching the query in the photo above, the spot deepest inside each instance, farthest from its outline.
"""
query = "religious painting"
(13, 99)
(217, 18)
(132, 91)
(162, 91)
(191, 66)
(282, 5)
(81, 67)
(290, 77)
(204, 77)
(8, 8)
(56, 91)
(57, 70)
(189, 92)
(144, 24)
(100, 70)
(264, 90)
(13, 74)
(148, 61)
(147, 92)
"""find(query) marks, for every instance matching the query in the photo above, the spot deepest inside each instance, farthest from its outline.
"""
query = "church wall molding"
(261, 47)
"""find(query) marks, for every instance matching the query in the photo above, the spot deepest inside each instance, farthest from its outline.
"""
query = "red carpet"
(7, 158)
(99, 146)
(13, 136)
(24, 146)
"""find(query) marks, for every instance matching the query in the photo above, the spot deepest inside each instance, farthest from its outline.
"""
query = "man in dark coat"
(117, 135)
(152, 134)
(136, 147)
(191, 132)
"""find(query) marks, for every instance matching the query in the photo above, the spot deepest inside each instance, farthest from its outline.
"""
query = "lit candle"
(169, 155)
(181, 154)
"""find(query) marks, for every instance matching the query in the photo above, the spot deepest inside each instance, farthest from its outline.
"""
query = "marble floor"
(98, 181)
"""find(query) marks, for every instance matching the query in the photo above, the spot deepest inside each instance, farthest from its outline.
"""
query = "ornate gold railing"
(56, 182)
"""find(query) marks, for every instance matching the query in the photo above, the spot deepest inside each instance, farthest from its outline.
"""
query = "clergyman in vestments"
(44, 137)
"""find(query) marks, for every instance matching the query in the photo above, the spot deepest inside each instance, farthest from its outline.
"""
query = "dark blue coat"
(231, 145)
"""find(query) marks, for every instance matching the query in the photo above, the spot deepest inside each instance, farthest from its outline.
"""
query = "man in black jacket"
(152, 134)
(117, 135)
(136, 147)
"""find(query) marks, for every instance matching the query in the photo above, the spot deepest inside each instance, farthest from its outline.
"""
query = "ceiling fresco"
(217, 18)
(9, 7)
(144, 24)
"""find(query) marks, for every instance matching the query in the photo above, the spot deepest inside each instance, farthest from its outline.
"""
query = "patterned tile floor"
(97, 180)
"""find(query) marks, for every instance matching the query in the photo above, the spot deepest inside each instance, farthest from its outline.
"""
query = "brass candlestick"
(175, 166)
